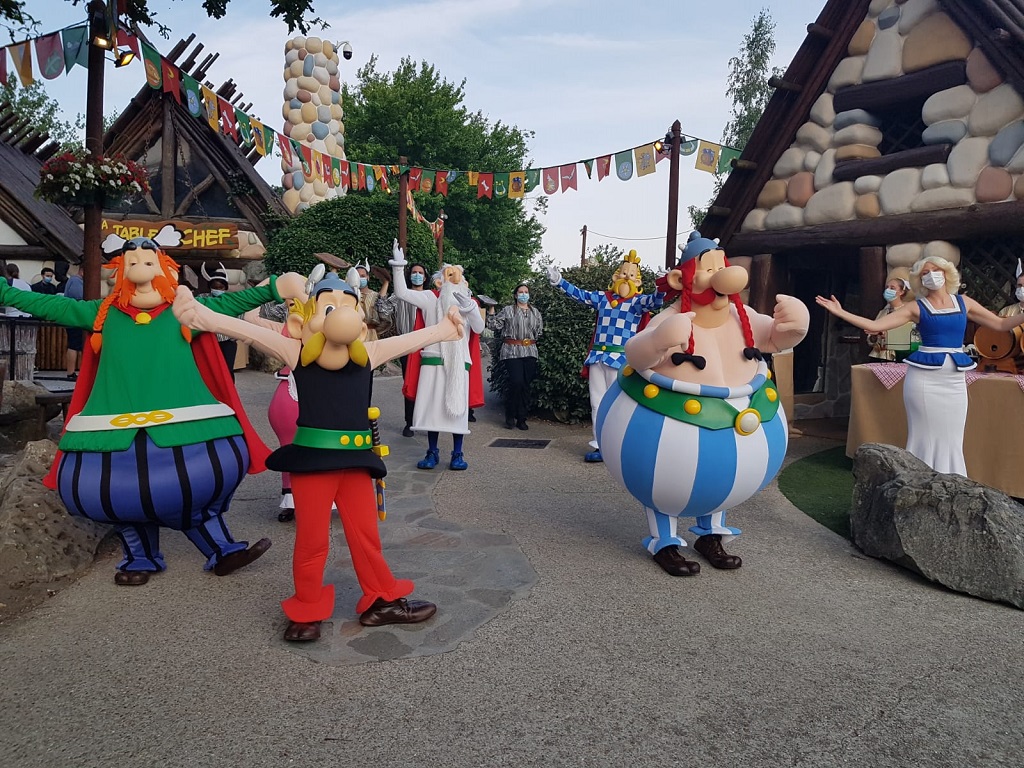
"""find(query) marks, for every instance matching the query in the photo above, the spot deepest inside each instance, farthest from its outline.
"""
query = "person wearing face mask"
(47, 283)
(217, 284)
(935, 388)
(520, 326)
(405, 318)
(1018, 293)
(369, 301)
(897, 290)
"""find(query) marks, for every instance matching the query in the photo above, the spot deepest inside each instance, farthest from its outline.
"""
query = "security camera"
(346, 50)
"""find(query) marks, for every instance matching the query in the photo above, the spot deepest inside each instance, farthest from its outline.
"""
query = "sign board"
(205, 236)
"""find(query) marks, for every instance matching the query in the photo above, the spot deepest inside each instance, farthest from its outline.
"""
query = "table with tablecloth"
(995, 420)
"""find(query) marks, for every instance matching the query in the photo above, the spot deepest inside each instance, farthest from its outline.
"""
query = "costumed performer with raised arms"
(935, 388)
(693, 426)
(334, 456)
(156, 436)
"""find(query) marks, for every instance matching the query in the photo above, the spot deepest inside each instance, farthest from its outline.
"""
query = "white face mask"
(933, 280)
(1019, 293)
(889, 294)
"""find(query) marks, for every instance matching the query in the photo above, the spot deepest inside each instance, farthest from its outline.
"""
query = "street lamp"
(674, 138)
(442, 217)
(102, 37)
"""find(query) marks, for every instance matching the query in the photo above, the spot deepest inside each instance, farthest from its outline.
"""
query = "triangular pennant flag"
(21, 55)
(346, 183)
(244, 126)
(707, 157)
(415, 174)
(227, 119)
(604, 166)
(485, 185)
(153, 72)
(284, 146)
(319, 171)
(589, 165)
(688, 147)
(268, 137)
(473, 178)
(441, 183)
(550, 180)
(172, 82)
(725, 158)
(452, 176)
(568, 174)
(305, 154)
(427, 181)
(76, 47)
(209, 105)
(259, 138)
(50, 54)
(664, 153)
(361, 175)
(126, 39)
(500, 184)
(516, 184)
(335, 172)
(624, 165)
(383, 179)
(532, 179)
(644, 159)
(3, 66)
(193, 95)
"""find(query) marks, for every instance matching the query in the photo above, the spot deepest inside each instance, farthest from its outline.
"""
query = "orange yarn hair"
(123, 291)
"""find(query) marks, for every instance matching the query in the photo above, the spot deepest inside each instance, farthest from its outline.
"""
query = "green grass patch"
(821, 486)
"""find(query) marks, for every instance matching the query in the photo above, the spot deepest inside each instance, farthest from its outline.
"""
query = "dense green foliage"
(415, 113)
(560, 390)
(33, 103)
(821, 486)
(356, 227)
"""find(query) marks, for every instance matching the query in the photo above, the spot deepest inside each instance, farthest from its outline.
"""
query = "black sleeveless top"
(333, 400)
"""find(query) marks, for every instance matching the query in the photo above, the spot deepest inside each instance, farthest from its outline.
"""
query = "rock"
(963, 535)
(291, 89)
(853, 117)
(857, 151)
(941, 198)
(754, 222)
(773, 193)
(834, 203)
(867, 206)
(889, 17)
(865, 184)
(877, 6)
(982, 76)
(314, 44)
(1018, 188)
(822, 112)
(800, 189)
(934, 176)
(861, 41)
(885, 59)
(944, 132)
(826, 166)
(951, 104)
(934, 40)
(942, 249)
(308, 112)
(995, 109)
(1016, 164)
(899, 189)
(913, 11)
(791, 162)
(307, 65)
(847, 72)
(812, 136)
(1006, 143)
(811, 160)
(966, 161)
(39, 541)
(784, 216)
(903, 254)
(994, 185)
(857, 134)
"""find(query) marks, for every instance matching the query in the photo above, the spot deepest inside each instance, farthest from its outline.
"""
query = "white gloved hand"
(466, 304)
(554, 276)
(397, 257)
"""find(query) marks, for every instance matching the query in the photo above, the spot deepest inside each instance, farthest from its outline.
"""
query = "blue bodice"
(942, 330)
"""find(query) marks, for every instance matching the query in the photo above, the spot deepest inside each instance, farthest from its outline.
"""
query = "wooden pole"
(403, 203)
(583, 250)
(91, 259)
(440, 239)
(673, 197)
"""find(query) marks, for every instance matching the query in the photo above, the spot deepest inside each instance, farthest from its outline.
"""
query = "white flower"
(66, 189)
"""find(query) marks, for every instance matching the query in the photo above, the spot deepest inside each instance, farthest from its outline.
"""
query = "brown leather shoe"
(671, 560)
(711, 547)
(240, 559)
(131, 578)
(302, 631)
(400, 611)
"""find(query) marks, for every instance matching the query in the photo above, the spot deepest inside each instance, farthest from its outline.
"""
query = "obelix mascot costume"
(693, 426)
(156, 436)
(334, 456)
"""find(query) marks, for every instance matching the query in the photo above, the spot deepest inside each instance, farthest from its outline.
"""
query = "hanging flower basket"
(76, 178)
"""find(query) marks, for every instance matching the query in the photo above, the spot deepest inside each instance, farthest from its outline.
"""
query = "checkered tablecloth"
(891, 374)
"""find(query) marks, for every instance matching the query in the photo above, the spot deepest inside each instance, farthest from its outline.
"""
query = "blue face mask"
(416, 278)
(362, 282)
(523, 298)
(47, 278)
(889, 294)
(216, 292)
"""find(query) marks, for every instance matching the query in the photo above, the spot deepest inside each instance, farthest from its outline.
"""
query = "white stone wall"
(312, 115)
(984, 119)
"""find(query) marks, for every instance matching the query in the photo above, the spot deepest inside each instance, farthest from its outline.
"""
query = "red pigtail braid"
(748, 333)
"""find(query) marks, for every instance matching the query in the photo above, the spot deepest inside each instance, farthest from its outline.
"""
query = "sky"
(587, 77)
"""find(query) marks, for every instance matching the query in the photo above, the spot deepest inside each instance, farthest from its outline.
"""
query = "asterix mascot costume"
(693, 426)
(156, 436)
(621, 311)
(335, 455)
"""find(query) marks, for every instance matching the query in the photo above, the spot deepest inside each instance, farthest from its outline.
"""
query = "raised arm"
(786, 328)
(383, 350)
(666, 331)
(58, 309)
(984, 317)
(422, 299)
(908, 313)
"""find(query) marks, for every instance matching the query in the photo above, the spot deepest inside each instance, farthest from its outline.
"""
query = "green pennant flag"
(244, 126)
(154, 72)
(725, 158)
(268, 137)
(624, 165)
(532, 179)
(501, 184)
(76, 47)
(589, 165)
(688, 147)
(193, 96)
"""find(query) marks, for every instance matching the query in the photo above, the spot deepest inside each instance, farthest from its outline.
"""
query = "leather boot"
(671, 560)
(711, 547)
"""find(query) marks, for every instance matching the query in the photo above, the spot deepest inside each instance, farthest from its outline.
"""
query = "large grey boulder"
(948, 528)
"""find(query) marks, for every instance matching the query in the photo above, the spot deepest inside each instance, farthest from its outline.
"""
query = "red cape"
(215, 375)
(476, 375)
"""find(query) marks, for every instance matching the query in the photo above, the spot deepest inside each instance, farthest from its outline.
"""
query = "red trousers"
(352, 490)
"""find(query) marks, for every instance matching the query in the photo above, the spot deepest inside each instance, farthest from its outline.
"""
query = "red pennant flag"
(227, 119)
(604, 166)
(550, 180)
(361, 171)
(328, 171)
(568, 174)
(346, 183)
(3, 66)
(50, 55)
(285, 148)
(441, 183)
(662, 154)
(415, 174)
(485, 185)
(172, 83)
(126, 39)
(307, 161)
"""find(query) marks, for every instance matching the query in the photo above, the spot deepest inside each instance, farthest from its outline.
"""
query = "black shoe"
(234, 561)
(510, 423)
(302, 631)
(286, 515)
(521, 424)
(400, 611)
(72, 377)
(710, 546)
(472, 417)
(671, 560)
(407, 432)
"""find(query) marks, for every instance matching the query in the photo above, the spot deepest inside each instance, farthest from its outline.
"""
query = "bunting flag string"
(60, 51)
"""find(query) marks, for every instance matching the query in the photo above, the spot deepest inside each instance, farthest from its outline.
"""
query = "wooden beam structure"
(906, 89)
(848, 170)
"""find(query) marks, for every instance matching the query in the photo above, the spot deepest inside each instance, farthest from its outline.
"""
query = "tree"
(414, 112)
(748, 87)
(34, 103)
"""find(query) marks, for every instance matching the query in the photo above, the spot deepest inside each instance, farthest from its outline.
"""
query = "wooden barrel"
(996, 345)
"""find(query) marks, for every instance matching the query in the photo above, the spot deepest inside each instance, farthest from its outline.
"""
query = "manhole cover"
(511, 442)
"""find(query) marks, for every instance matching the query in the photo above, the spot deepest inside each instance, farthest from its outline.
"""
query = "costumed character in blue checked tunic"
(693, 426)
(621, 311)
